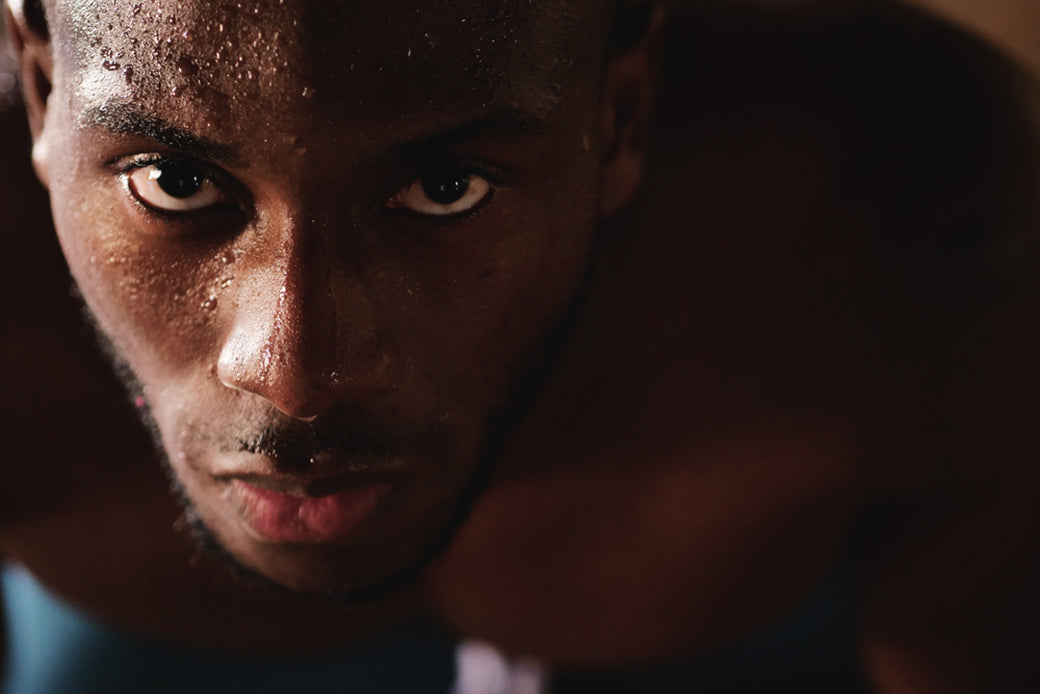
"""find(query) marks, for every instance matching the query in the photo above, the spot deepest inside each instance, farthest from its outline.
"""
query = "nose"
(300, 336)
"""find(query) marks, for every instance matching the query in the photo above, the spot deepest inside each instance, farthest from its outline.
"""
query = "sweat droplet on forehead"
(378, 60)
(172, 48)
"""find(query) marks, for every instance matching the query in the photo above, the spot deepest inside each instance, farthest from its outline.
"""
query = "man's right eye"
(443, 191)
(172, 186)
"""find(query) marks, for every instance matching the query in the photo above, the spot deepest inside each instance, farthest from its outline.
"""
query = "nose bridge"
(292, 327)
(301, 333)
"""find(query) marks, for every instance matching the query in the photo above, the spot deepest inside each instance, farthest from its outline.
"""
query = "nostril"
(298, 382)
(298, 345)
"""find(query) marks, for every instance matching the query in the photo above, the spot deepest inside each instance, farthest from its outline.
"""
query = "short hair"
(629, 19)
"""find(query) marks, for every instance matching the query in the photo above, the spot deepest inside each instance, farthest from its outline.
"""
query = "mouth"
(282, 510)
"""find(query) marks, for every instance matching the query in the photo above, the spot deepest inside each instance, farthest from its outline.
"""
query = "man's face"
(329, 239)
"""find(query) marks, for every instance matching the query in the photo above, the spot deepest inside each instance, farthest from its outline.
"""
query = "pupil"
(179, 180)
(445, 187)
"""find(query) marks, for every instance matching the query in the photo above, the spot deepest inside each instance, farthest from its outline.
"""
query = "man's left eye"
(172, 186)
(443, 191)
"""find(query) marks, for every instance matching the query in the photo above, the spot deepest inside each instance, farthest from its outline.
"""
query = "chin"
(373, 543)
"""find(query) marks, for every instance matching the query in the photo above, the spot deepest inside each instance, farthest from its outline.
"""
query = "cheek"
(153, 302)
(485, 310)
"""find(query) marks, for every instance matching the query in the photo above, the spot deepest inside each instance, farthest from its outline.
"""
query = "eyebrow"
(124, 118)
(505, 122)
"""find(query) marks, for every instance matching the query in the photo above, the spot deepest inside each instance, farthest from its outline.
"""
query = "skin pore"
(691, 478)
(288, 446)
(332, 261)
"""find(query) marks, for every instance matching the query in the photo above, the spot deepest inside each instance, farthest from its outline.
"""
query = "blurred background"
(857, 115)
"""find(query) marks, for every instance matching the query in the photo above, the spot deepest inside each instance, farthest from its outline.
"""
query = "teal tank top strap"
(53, 648)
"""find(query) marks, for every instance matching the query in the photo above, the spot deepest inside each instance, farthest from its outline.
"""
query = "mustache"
(361, 438)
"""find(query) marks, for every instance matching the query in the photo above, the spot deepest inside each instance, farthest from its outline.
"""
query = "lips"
(295, 517)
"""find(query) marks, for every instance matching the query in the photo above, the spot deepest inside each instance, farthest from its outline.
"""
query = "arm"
(949, 601)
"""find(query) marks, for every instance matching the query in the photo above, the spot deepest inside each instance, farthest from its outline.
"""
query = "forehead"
(363, 60)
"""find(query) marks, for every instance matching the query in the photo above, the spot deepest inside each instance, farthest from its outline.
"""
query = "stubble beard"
(525, 384)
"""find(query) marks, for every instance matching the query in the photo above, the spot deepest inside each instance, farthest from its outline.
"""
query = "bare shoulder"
(809, 344)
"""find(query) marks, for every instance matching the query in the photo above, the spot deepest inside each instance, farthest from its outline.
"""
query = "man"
(411, 406)
(345, 274)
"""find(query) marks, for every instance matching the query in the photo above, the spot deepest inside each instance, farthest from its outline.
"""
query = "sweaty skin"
(308, 328)
(794, 352)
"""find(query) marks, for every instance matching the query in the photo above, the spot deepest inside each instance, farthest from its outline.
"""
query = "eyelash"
(491, 176)
(476, 169)
(143, 161)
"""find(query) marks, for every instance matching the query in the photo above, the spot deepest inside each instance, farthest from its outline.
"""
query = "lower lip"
(283, 518)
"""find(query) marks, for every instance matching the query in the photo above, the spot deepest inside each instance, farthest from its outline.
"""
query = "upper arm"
(948, 595)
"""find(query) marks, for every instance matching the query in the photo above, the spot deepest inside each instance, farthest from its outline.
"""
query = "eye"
(443, 191)
(172, 186)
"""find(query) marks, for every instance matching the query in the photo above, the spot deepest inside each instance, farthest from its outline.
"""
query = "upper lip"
(308, 485)
(296, 486)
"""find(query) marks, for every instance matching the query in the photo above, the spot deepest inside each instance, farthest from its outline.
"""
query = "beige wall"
(1014, 25)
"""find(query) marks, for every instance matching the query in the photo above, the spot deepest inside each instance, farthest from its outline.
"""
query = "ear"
(628, 101)
(31, 40)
